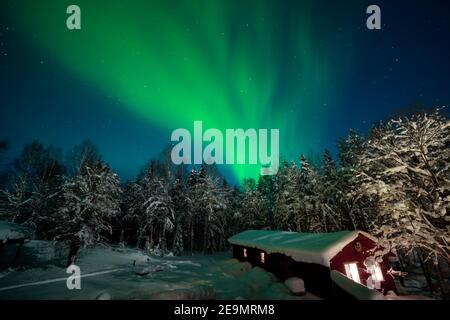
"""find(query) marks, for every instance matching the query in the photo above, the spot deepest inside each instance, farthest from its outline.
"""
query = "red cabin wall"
(349, 254)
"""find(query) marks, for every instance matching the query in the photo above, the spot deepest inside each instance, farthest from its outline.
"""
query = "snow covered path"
(56, 280)
(111, 272)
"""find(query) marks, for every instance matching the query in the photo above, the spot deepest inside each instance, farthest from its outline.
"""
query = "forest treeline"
(393, 182)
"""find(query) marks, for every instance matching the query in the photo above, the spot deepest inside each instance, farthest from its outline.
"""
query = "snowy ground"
(109, 272)
(415, 284)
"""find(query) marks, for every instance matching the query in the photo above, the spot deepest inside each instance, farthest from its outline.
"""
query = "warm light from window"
(351, 269)
(263, 257)
(377, 275)
(245, 253)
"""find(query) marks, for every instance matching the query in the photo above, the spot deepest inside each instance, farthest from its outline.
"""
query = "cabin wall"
(316, 277)
(342, 295)
(358, 251)
(253, 255)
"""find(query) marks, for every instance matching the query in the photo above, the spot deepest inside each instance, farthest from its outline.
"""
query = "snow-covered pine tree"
(254, 208)
(350, 149)
(232, 198)
(180, 203)
(211, 203)
(268, 191)
(158, 215)
(288, 204)
(331, 195)
(193, 193)
(177, 247)
(311, 216)
(404, 170)
(358, 209)
(133, 198)
(90, 203)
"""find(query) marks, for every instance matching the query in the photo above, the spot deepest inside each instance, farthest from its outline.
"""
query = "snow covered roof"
(13, 231)
(317, 248)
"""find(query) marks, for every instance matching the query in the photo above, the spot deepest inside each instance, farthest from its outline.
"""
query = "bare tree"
(85, 154)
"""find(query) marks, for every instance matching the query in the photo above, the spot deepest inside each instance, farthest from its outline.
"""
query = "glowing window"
(245, 253)
(376, 273)
(263, 257)
(351, 269)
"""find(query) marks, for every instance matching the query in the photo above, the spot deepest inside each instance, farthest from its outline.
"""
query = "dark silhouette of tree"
(81, 156)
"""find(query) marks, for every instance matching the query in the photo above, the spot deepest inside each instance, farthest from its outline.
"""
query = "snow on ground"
(416, 285)
(12, 231)
(355, 289)
(109, 272)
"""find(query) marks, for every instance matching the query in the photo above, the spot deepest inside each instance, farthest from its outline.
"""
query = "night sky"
(140, 69)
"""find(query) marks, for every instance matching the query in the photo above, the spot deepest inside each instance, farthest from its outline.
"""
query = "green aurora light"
(228, 63)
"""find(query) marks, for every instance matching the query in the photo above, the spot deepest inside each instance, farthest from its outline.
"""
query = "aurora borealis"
(137, 70)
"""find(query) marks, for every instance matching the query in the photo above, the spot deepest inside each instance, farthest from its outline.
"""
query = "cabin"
(313, 257)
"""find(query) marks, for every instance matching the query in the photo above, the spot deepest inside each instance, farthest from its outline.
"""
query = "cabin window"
(263, 257)
(375, 278)
(245, 253)
(376, 273)
(351, 269)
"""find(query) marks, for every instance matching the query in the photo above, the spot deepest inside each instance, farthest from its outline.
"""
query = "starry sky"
(137, 70)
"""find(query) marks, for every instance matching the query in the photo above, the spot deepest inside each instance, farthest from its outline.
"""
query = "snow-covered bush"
(295, 285)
